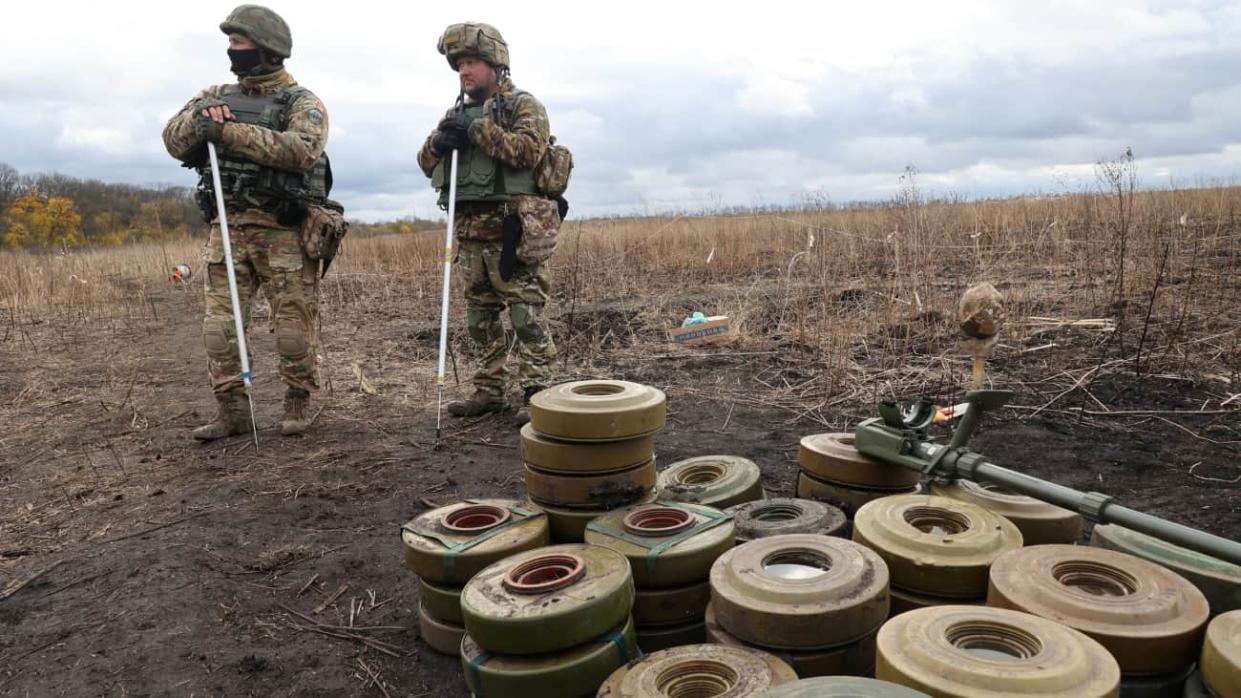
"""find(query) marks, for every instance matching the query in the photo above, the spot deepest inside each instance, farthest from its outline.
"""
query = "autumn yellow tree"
(158, 220)
(17, 236)
(110, 229)
(34, 221)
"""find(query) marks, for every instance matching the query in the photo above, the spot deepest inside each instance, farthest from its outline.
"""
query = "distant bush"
(47, 211)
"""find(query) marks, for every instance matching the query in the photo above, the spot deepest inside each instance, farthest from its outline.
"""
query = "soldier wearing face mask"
(270, 133)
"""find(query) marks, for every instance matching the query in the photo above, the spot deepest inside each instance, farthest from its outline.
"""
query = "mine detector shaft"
(238, 323)
(440, 374)
(899, 437)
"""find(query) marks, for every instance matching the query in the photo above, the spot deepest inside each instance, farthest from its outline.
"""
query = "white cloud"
(111, 131)
(767, 94)
(111, 141)
(669, 106)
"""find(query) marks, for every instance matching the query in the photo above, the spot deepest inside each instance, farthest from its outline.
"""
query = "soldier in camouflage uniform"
(267, 163)
(500, 134)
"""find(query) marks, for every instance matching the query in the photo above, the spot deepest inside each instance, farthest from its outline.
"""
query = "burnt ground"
(164, 567)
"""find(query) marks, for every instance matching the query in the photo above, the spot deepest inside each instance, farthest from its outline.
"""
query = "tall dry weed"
(833, 285)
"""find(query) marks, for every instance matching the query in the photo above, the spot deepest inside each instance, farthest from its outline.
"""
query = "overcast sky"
(666, 106)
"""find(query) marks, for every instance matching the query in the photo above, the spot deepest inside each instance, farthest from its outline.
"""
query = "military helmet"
(474, 39)
(262, 26)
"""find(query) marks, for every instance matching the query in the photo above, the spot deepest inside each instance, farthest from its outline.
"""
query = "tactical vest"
(481, 178)
(247, 183)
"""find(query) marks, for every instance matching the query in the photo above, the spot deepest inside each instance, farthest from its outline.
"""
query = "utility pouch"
(323, 227)
(540, 222)
(508, 250)
(551, 174)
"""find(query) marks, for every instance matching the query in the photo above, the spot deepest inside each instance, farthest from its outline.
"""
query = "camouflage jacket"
(295, 149)
(519, 144)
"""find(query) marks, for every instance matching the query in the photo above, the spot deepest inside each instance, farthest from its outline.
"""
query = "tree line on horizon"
(57, 212)
(54, 211)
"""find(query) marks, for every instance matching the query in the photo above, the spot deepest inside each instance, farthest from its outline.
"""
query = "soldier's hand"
(219, 114)
(445, 142)
(455, 122)
(208, 128)
(214, 109)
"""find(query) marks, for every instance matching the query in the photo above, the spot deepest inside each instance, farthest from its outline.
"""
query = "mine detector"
(899, 437)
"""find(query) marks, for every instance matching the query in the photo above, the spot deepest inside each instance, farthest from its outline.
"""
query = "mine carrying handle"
(908, 447)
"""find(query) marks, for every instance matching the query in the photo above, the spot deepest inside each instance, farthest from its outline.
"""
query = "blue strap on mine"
(616, 637)
(453, 549)
(714, 518)
(473, 666)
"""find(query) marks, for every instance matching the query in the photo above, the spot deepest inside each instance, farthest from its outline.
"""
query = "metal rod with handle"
(238, 324)
(888, 440)
(1093, 505)
(440, 374)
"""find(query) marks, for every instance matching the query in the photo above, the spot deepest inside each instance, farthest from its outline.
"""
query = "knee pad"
(291, 340)
(217, 337)
(526, 324)
(484, 326)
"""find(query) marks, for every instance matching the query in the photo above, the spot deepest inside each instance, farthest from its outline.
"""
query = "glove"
(447, 141)
(207, 103)
(459, 121)
(207, 129)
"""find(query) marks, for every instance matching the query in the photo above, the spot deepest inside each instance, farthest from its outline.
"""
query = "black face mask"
(244, 60)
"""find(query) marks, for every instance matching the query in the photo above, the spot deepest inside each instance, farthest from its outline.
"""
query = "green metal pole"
(1092, 505)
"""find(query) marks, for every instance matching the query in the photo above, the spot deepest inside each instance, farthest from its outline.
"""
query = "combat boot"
(232, 417)
(296, 405)
(523, 415)
(480, 403)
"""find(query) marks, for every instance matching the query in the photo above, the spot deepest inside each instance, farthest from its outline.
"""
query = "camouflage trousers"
(272, 259)
(486, 296)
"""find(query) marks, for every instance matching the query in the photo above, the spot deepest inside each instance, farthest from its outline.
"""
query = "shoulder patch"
(315, 116)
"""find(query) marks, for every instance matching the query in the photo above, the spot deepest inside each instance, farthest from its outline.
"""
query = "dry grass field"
(144, 564)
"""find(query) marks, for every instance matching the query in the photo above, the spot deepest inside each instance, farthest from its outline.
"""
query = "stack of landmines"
(589, 449)
(1219, 665)
(814, 601)
(548, 623)
(447, 546)
(1149, 618)
(1067, 619)
(783, 515)
(670, 547)
(833, 471)
(713, 481)
(938, 550)
(700, 671)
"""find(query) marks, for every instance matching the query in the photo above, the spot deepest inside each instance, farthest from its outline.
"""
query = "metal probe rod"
(440, 376)
(238, 325)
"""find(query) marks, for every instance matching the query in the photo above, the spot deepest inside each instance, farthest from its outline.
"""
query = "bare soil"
(164, 567)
